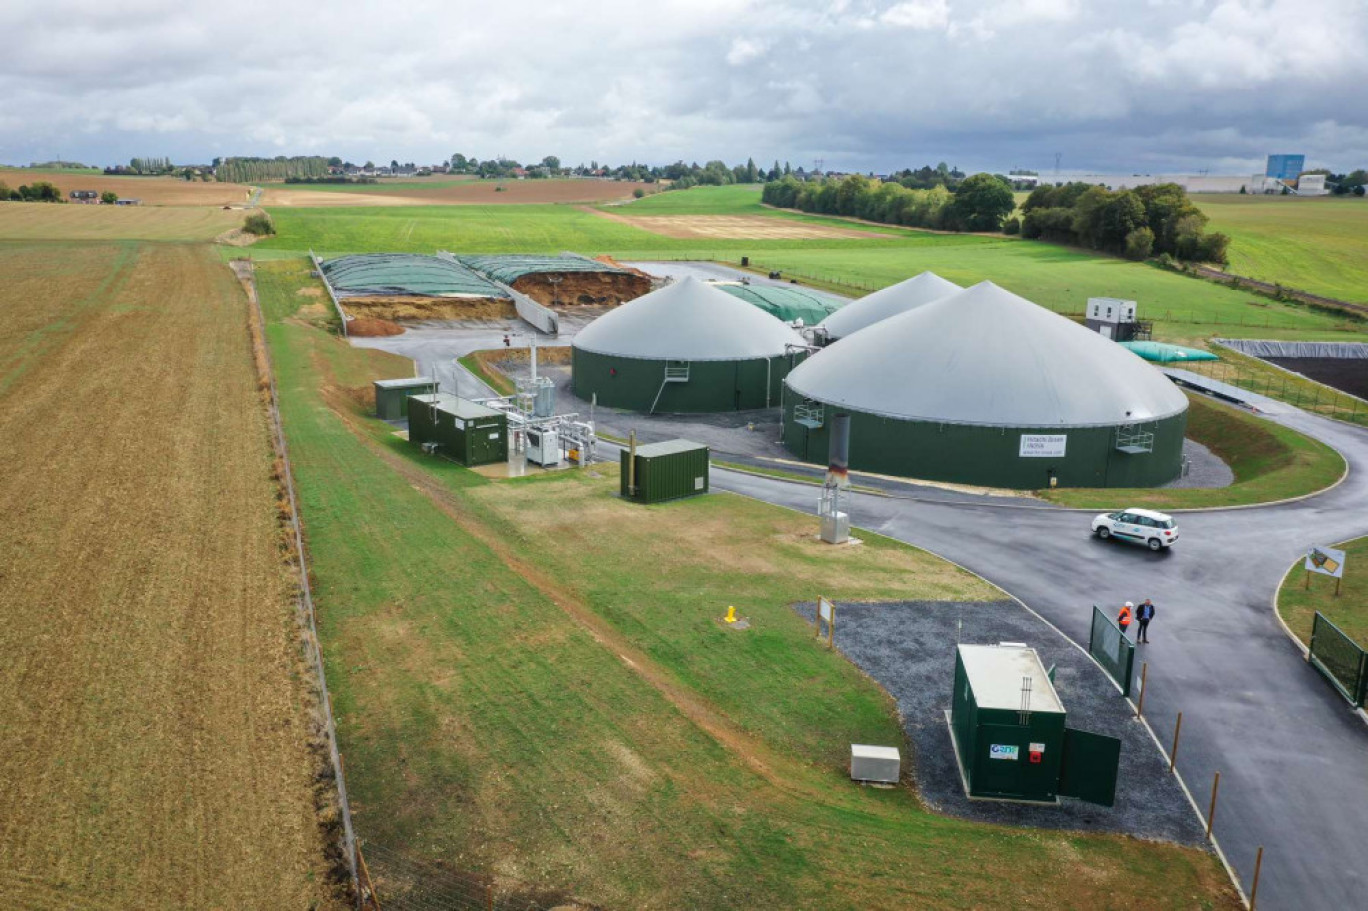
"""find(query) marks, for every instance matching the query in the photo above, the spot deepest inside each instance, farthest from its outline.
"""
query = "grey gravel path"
(909, 648)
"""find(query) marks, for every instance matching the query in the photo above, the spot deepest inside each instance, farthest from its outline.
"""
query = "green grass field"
(1316, 244)
(1297, 604)
(531, 682)
(1269, 461)
(1053, 276)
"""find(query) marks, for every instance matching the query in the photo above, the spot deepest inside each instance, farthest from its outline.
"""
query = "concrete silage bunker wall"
(989, 456)
(633, 383)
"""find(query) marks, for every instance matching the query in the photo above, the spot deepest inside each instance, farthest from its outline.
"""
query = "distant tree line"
(1352, 183)
(1155, 220)
(38, 191)
(977, 203)
(255, 170)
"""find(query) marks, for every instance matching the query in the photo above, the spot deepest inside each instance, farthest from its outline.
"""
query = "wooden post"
(1338, 580)
(1254, 888)
(1173, 753)
(1307, 586)
(1140, 704)
(1211, 813)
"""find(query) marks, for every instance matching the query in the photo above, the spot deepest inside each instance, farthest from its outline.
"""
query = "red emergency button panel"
(1036, 756)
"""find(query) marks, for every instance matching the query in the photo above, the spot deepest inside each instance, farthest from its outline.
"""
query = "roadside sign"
(826, 611)
(1325, 560)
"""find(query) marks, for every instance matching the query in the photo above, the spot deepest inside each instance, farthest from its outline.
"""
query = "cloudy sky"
(1119, 86)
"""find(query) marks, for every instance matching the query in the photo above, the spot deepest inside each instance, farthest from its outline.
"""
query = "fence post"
(1254, 888)
(1140, 704)
(1173, 753)
(1211, 813)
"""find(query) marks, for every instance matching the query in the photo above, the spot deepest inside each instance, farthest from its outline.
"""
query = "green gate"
(1342, 660)
(1112, 649)
(1089, 766)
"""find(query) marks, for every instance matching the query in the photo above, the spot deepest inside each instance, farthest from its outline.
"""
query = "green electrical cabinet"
(391, 396)
(1010, 740)
(665, 471)
(457, 428)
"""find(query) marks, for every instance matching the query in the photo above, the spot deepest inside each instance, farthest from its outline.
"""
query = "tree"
(258, 224)
(109, 197)
(752, 173)
(1139, 243)
(551, 163)
(982, 202)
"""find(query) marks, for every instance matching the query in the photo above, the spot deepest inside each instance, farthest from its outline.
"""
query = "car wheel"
(1155, 544)
(1103, 532)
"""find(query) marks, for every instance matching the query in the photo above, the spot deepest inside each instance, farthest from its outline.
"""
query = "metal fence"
(1112, 649)
(398, 880)
(1342, 660)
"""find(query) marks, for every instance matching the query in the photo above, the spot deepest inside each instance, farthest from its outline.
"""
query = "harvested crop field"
(456, 193)
(735, 227)
(153, 191)
(583, 288)
(45, 221)
(157, 732)
(413, 308)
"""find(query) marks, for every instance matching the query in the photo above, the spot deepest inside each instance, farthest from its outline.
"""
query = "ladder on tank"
(809, 414)
(675, 372)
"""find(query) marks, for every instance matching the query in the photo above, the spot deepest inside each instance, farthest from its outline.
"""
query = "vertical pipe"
(631, 464)
(1254, 888)
(1173, 753)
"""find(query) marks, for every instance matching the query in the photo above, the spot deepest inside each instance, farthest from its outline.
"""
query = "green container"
(391, 396)
(1003, 752)
(459, 429)
(665, 471)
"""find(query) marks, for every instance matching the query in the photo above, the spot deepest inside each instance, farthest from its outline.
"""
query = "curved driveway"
(1292, 754)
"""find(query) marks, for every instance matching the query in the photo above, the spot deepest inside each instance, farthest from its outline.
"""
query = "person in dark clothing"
(1145, 614)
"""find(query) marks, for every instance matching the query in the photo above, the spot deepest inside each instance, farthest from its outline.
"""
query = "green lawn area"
(1349, 611)
(531, 682)
(1315, 244)
(1270, 462)
(1056, 277)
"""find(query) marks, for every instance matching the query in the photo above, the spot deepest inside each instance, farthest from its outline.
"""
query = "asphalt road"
(1293, 757)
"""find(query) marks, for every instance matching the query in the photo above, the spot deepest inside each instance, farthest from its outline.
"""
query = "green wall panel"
(633, 383)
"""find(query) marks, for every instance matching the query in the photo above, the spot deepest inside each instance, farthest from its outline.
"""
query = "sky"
(1115, 86)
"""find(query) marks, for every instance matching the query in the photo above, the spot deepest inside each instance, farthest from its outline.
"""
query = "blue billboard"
(1285, 167)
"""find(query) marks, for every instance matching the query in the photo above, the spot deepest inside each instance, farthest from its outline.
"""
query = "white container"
(872, 763)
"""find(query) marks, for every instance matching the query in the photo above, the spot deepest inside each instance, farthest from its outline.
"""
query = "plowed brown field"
(153, 191)
(155, 737)
(45, 221)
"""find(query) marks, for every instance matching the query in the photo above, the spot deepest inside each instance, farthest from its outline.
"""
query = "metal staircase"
(675, 372)
(1132, 441)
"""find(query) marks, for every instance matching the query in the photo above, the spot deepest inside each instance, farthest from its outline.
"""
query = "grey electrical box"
(871, 763)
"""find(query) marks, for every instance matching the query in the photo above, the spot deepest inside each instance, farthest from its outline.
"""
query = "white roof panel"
(688, 321)
(986, 356)
(998, 672)
(900, 298)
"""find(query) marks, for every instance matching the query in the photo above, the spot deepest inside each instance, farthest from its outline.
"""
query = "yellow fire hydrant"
(731, 615)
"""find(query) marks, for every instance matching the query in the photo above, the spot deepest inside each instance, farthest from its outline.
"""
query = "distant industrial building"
(984, 387)
(688, 347)
(1285, 167)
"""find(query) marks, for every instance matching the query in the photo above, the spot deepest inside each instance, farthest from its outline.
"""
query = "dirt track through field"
(155, 731)
(732, 227)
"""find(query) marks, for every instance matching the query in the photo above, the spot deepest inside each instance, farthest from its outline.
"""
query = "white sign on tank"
(1043, 446)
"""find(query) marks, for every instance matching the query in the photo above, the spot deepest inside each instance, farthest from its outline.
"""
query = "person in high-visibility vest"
(1123, 619)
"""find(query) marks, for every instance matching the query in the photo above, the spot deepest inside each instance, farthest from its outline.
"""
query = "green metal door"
(1089, 768)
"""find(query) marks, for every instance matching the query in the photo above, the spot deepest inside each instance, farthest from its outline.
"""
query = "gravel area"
(909, 648)
(1205, 468)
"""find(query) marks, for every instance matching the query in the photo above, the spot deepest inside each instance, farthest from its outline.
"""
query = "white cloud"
(862, 83)
(917, 14)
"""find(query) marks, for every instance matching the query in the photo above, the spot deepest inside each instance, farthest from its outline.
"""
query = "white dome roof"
(687, 321)
(987, 356)
(900, 298)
